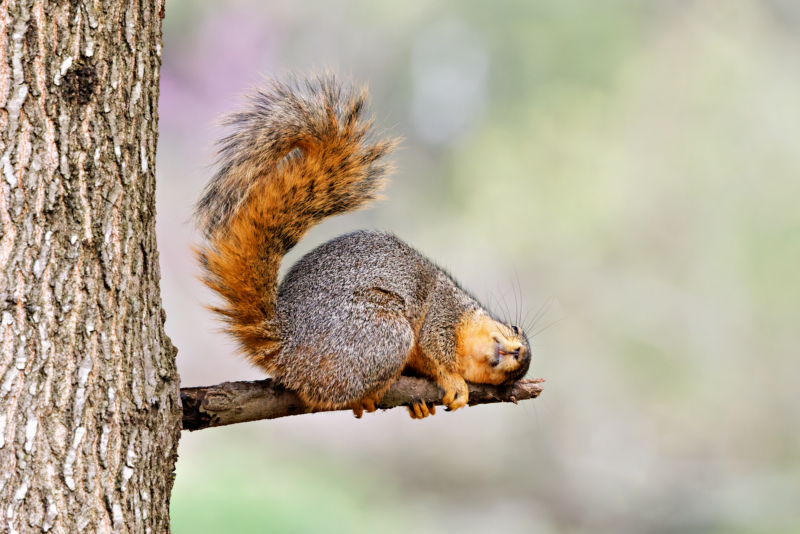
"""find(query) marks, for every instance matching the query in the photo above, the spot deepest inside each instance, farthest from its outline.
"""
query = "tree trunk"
(89, 405)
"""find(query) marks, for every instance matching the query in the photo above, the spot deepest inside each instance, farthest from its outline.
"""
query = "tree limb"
(238, 402)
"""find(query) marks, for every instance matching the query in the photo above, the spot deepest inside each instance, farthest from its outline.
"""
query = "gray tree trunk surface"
(89, 406)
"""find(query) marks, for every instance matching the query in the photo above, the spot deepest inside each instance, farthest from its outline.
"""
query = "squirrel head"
(491, 351)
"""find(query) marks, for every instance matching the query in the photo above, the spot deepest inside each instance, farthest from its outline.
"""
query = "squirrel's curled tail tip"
(297, 122)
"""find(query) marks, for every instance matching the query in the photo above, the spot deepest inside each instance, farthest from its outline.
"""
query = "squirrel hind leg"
(353, 361)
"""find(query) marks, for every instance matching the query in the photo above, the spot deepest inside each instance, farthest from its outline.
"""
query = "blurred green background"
(632, 167)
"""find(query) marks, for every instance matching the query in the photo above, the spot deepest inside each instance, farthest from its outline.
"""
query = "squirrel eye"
(515, 329)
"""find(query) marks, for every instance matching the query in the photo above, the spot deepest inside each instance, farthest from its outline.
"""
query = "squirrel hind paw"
(368, 404)
(420, 410)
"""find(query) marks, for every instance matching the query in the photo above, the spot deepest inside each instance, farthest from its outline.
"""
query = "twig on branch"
(238, 402)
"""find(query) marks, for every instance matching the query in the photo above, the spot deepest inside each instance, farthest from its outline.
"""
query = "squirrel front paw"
(456, 392)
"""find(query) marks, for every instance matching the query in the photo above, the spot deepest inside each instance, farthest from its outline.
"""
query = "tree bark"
(89, 407)
(239, 402)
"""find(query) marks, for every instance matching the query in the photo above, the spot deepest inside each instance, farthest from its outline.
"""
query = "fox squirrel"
(358, 311)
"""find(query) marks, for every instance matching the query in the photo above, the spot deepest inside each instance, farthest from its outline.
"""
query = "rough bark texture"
(89, 406)
(239, 402)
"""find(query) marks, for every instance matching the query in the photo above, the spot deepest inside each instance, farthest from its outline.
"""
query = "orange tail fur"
(299, 151)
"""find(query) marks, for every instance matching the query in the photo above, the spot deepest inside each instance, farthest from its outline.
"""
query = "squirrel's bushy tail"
(299, 151)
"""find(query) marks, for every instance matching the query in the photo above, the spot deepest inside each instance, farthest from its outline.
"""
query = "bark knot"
(79, 84)
(217, 400)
